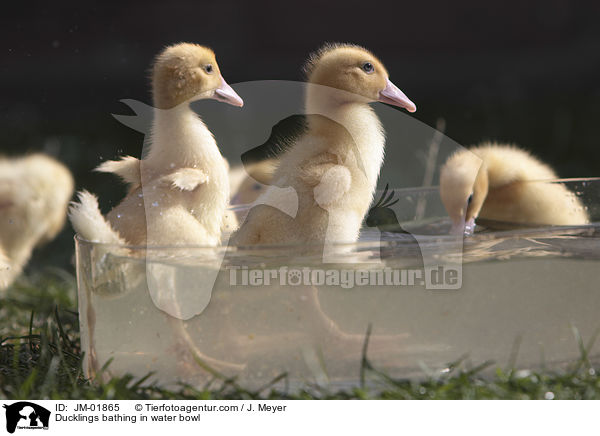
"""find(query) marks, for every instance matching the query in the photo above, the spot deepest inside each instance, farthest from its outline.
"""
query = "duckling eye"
(470, 199)
(208, 68)
(368, 67)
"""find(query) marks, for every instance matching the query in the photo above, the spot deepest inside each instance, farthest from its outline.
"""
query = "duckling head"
(356, 71)
(186, 72)
(463, 189)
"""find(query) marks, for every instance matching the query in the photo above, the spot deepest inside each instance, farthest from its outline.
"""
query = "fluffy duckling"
(248, 182)
(34, 194)
(179, 191)
(334, 165)
(502, 183)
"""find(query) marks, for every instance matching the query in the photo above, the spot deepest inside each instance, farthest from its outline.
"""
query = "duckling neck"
(356, 121)
(180, 139)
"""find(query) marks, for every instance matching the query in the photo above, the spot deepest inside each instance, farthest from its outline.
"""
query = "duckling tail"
(88, 222)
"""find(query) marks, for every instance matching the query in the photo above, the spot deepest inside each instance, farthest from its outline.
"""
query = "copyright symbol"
(138, 407)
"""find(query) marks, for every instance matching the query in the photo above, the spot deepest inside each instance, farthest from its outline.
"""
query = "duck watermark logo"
(26, 416)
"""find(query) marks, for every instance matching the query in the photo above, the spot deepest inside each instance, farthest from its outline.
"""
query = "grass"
(40, 358)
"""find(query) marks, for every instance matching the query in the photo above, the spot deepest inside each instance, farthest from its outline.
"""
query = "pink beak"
(392, 95)
(226, 94)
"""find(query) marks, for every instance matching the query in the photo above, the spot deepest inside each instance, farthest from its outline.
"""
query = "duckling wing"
(128, 169)
(334, 184)
(329, 179)
(186, 179)
(312, 171)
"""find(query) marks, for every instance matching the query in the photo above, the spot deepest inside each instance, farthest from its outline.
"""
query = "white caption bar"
(299, 417)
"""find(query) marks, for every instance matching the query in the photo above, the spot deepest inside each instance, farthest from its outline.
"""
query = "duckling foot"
(328, 335)
(191, 357)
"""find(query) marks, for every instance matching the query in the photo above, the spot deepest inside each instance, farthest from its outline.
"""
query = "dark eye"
(470, 199)
(208, 68)
(368, 67)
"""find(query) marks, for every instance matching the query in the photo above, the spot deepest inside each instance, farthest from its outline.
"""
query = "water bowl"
(425, 298)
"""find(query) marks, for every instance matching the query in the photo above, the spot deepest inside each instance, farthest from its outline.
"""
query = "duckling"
(249, 181)
(34, 195)
(128, 167)
(334, 165)
(180, 190)
(502, 182)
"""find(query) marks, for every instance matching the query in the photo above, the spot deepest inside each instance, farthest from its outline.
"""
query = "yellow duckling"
(502, 183)
(34, 193)
(180, 190)
(334, 165)
(249, 182)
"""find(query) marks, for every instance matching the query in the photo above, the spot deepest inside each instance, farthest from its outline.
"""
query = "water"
(177, 311)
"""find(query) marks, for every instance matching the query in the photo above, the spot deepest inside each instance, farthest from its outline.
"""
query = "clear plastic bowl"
(178, 312)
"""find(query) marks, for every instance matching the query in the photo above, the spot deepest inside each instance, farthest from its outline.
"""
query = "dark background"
(525, 72)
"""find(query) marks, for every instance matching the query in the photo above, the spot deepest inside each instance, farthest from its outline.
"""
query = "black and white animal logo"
(26, 415)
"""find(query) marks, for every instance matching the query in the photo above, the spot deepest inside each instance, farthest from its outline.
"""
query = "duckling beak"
(226, 94)
(392, 95)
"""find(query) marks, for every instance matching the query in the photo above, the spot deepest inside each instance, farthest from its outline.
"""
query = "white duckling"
(179, 191)
(504, 183)
(334, 165)
(34, 193)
